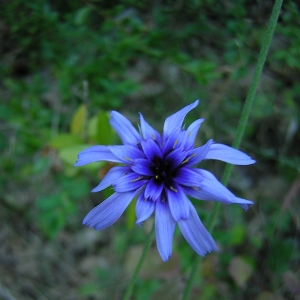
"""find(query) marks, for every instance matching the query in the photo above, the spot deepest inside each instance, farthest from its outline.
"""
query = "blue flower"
(160, 170)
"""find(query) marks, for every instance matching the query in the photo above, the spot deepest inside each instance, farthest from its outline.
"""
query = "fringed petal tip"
(85, 223)
(245, 206)
(166, 258)
(213, 248)
(139, 224)
(243, 203)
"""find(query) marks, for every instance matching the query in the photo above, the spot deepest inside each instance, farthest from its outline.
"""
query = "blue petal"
(195, 233)
(109, 211)
(151, 149)
(144, 208)
(176, 140)
(229, 155)
(112, 175)
(148, 131)
(188, 177)
(242, 203)
(153, 190)
(178, 203)
(175, 120)
(196, 155)
(192, 133)
(142, 166)
(126, 153)
(164, 229)
(175, 157)
(213, 190)
(129, 182)
(128, 134)
(95, 153)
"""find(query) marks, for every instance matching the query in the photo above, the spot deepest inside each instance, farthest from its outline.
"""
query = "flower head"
(160, 170)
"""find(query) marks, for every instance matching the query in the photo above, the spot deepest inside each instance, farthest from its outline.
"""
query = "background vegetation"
(65, 64)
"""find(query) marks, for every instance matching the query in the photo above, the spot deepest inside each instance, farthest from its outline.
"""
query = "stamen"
(153, 137)
(175, 143)
(133, 180)
(173, 189)
(156, 177)
(187, 159)
(128, 158)
(195, 188)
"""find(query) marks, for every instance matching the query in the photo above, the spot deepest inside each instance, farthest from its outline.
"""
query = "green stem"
(241, 128)
(139, 265)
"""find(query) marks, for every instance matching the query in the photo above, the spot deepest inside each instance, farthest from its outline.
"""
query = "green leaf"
(202, 71)
(130, 215)
(79, 121)
(53, 212)
(92, 130)
(89, 289)
(69, 154)
(104, 131)
(82, 15)
(48, 202)
(237, 235)
(76, 187)
(41, 164)
(64, 140)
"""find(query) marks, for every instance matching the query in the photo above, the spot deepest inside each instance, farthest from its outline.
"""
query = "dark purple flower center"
(164, 173)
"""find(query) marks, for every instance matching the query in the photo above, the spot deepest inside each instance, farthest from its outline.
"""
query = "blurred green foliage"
(64, 65)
